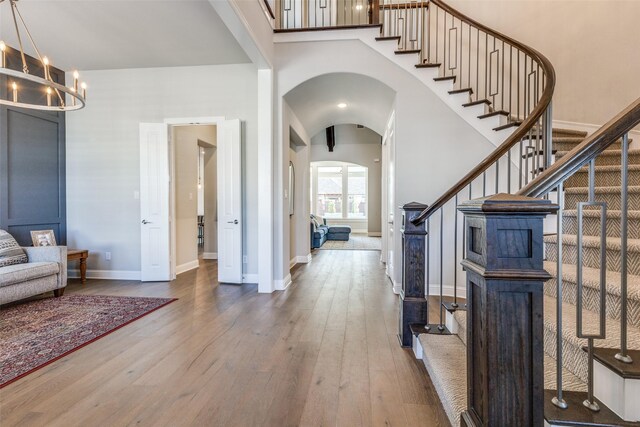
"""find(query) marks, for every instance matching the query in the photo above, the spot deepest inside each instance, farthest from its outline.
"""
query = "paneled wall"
(32, 162)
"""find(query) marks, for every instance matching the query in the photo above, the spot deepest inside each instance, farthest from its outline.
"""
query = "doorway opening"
(193, 154)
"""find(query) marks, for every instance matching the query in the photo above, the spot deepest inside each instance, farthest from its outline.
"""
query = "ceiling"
(315, 102)
(115, 34)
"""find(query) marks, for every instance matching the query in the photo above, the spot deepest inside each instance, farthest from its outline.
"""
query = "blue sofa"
(319, 232)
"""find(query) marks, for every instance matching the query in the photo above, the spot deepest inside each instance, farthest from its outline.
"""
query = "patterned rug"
(355, 243)
(37, 333)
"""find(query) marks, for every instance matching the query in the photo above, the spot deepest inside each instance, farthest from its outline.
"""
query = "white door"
(229, 203)
(154, 202)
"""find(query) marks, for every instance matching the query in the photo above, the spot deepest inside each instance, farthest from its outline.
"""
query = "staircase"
(504, 88)
(445, 356)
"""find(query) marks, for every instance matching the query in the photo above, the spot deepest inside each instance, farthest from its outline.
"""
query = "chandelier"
(36, 92)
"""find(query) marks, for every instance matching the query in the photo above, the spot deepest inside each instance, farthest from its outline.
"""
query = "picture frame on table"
(43, 238)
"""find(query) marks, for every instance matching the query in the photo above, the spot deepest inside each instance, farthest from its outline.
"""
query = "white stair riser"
(619, 394)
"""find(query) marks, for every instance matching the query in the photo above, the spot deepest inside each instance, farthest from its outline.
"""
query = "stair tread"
(591, 278)
(611, 213)
(507, 126)
(613, 243)
(601, 189)
(428, 65)
(445, 357)
(478, 102)
(608, 168)
(608, 153)
(406, 51)
(588, 318)
(455, 91)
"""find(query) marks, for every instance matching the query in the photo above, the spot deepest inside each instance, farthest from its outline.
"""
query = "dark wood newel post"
(413, 305)
(504, 256)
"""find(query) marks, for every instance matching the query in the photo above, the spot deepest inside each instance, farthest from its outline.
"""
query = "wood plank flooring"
(322, 353)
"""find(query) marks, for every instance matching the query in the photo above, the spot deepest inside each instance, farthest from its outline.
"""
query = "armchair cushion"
(18, 273)
(10, 252)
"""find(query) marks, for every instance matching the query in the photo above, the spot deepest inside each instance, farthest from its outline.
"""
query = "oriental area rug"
(39, 332)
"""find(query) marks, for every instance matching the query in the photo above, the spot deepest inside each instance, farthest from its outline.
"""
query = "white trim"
(266, 219)
(447, 290)
(281, 285)
(191, 265)
(106, 274)
(292, 262)
(210, 255)
(250, 278)
(304, 259)
(397, 287)
(374, 234)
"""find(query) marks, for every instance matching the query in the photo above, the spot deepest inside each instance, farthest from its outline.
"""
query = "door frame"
(183, 121)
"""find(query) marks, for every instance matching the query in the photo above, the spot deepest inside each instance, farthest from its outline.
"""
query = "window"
(340, 190)
(329, 204)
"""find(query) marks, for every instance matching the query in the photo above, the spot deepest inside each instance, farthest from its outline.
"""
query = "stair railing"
(515, 82)
(553, 179)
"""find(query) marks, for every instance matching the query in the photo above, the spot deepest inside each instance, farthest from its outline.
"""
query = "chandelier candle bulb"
(48, 97)
(3, 54)
(83, 85)
(45, 62)
(76, 75)
(14, 86)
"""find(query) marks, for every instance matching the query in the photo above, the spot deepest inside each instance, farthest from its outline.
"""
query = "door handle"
(144, 221)
(235, 221)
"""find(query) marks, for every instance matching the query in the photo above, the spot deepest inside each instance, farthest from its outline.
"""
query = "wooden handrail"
(518, 134)
(584, 152)
(269, 10)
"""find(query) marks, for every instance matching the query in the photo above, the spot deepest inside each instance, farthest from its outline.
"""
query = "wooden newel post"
(504, 255)
(413, 305)
(374, 11)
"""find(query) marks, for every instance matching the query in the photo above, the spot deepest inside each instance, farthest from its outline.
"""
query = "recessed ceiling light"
(342, 105)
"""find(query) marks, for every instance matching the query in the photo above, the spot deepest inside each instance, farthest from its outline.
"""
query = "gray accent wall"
(32, 168)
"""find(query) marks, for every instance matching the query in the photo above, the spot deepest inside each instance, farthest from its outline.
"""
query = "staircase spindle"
(440, 321)
(455, 255)
(558, 400)
(623, 356)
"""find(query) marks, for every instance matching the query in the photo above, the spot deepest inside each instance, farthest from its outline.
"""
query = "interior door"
(154, 202)
(230, 203)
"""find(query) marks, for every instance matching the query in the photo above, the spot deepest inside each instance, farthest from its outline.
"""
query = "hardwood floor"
(322, 353)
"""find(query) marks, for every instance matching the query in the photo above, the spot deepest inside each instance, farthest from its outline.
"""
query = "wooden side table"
(79, 255)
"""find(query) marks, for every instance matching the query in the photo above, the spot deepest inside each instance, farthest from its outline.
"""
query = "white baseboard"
(281, 285)
(447, 290)
(106, 274)
(191, 265)
(375, 234)
(397, 287)
(303, 259)
(209, 255)
(249, 278)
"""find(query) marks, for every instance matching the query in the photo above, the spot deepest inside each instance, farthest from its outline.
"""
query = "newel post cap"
(414, 206)
(502, 203)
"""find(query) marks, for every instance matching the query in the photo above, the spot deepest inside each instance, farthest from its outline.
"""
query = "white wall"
(103, 212)
(362, 147)
(593, 46)
(430, 137)
(300, 221)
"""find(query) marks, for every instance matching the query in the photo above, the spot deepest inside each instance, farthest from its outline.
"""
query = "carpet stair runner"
(445, 355)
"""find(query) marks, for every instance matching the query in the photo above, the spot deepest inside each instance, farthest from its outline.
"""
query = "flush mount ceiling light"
(342, 105)
(53, 95)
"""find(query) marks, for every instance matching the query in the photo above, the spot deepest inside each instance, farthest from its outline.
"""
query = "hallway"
(324, 352)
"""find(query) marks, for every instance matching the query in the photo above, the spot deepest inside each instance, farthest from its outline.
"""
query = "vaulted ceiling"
(315, 102)
(115, 34)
